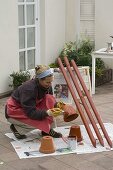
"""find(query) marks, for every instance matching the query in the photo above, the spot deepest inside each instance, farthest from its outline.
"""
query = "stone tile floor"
(103, 100)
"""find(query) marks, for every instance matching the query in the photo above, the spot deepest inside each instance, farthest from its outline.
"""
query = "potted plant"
(80, 51)
(18, 78)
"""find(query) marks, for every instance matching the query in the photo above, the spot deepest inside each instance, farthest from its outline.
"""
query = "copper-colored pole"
(83, 101)
(91, 103)
(77, 103)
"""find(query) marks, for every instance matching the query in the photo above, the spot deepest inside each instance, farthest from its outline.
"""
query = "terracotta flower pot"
(76, 132)
(70, 113)
(47, 145)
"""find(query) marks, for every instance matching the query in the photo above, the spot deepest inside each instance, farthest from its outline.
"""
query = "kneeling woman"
(29, 106)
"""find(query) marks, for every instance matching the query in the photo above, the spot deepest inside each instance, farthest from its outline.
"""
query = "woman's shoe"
(16, 133)
(52, 133)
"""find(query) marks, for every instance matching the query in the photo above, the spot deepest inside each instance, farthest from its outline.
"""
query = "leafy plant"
(53, 65)
(69, 50)
(99, 68)
(80, 51)
(18, 78)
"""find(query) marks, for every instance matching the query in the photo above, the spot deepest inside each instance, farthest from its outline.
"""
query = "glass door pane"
(22, 61)
(31, 59)
(20, 0)
(30, 15)
(21, 17)
(30, 37)
(21, 38)
(29, 0)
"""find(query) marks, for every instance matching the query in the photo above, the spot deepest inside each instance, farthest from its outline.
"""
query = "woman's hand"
(55, 112)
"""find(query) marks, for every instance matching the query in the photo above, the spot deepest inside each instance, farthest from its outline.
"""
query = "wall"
(54, 29)
(52, 24)
(8, 42)
(103, 25)
(42, 31)
(72, 20)
(59, 22)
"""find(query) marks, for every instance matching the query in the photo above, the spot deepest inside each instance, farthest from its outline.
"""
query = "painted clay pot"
(70, 113)
(47, 145)
(76, 132)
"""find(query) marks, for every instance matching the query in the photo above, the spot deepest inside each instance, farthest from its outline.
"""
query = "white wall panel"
(8, 42)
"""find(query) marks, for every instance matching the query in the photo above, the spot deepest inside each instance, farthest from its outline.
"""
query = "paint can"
(72, 143)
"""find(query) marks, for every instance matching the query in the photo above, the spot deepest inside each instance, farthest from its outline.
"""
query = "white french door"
(28, 21)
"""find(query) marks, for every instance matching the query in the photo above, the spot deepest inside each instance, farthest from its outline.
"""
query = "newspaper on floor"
(29, 147)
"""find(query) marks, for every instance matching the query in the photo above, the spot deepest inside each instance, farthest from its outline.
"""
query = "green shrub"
(18, 78)
(53, 65)
(80, 51)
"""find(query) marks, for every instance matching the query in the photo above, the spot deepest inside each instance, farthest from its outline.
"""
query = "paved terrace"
(103, 100)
